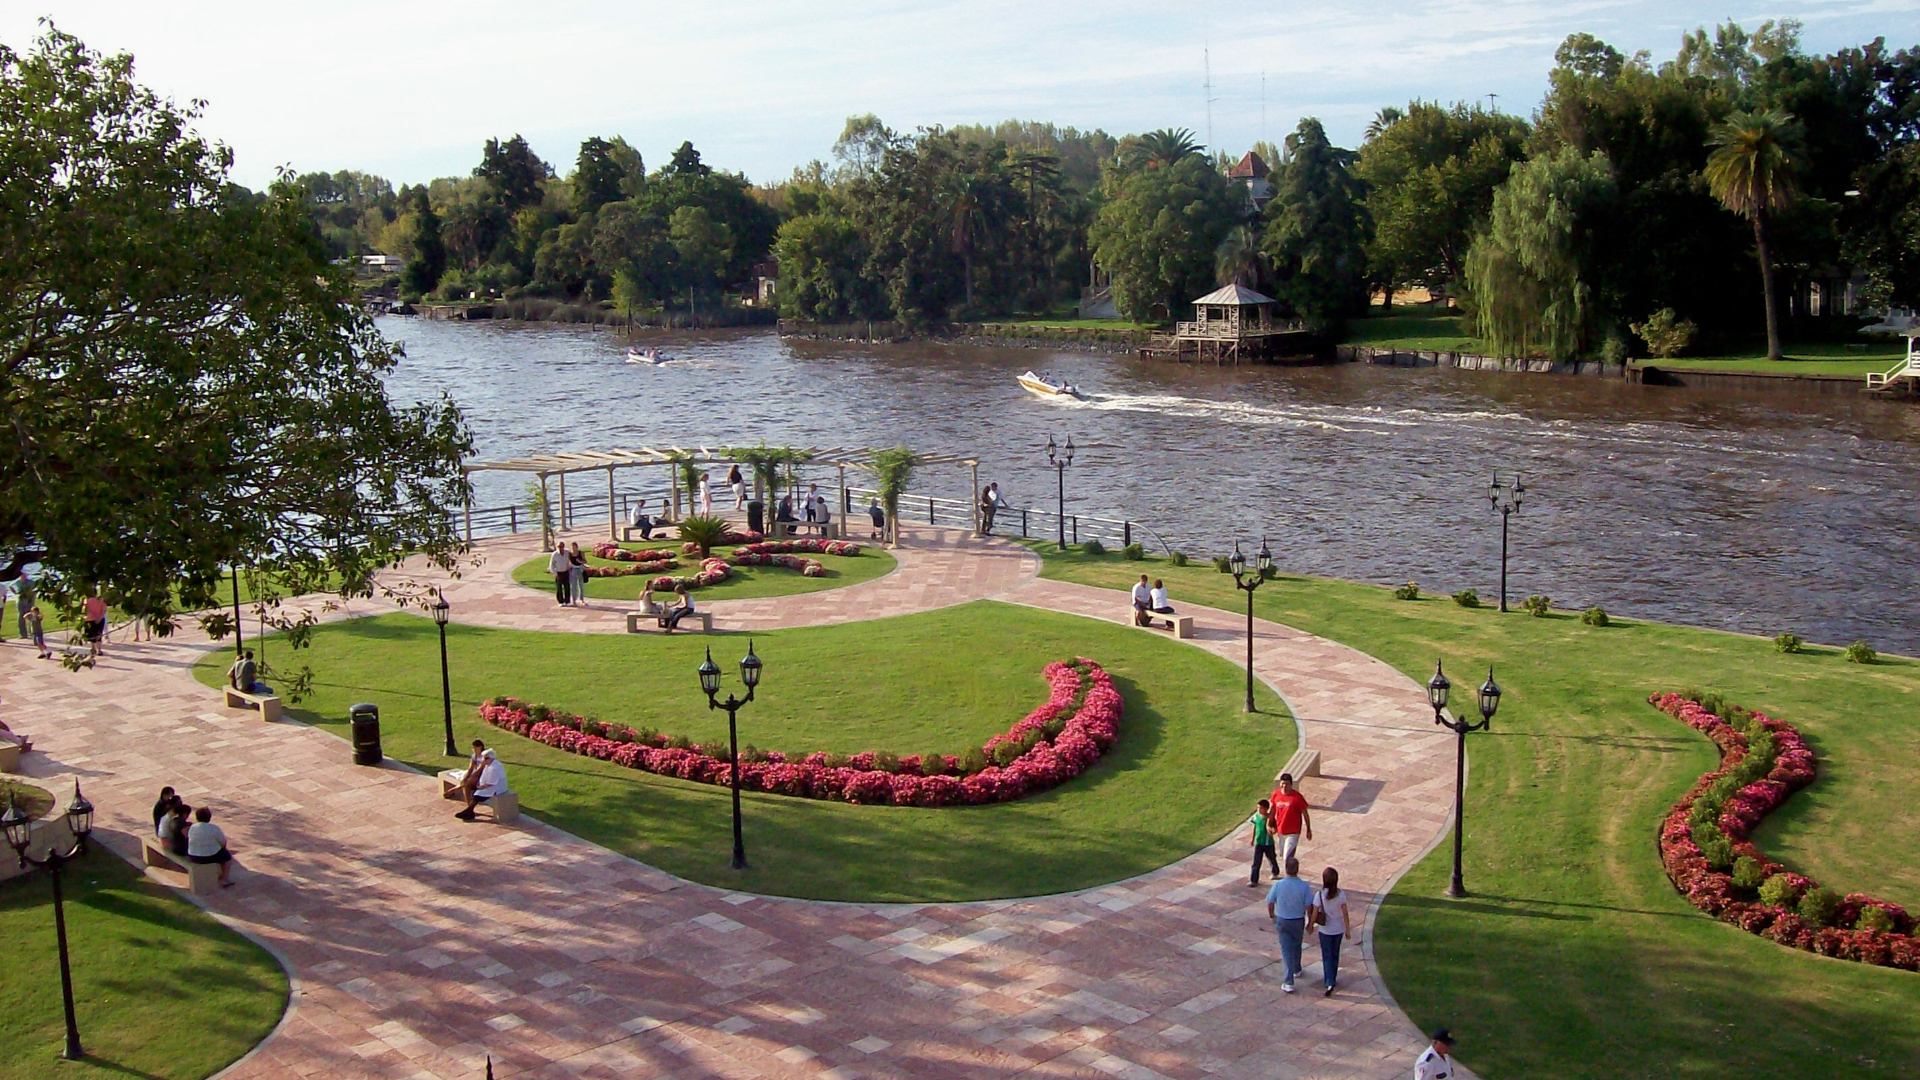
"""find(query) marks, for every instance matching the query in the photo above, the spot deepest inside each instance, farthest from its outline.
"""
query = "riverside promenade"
(419, 946)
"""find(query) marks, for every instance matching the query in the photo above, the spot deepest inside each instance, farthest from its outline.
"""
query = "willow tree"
(188, 383)
(892, 471)
(1751, 172)
(1530, 278)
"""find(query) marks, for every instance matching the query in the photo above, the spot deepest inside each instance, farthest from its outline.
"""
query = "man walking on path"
(561, 567)
(1287, 906)
(1262, 822)
(1436, 1062)
(1290, 816)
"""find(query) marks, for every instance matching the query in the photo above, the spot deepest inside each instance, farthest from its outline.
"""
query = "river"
(1757, 513)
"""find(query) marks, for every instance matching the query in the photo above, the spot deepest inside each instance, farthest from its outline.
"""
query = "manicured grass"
(161, 990)
(1186, 768)
(1818, 358)
(1423, 330)
(32, 800)
(1575, 957)
(746, 582)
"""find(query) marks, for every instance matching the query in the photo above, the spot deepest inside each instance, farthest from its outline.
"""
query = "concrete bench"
(1302, 764)
(808, 530)
(9, 756)
(505, 807)
(1181, 625)
(663, 532)
(202, 878)
(651, 613)
(268, 704)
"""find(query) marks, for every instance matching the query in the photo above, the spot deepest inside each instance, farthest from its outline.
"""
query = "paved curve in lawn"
(419, 945)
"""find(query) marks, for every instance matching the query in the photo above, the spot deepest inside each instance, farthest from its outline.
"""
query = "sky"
(411, 90)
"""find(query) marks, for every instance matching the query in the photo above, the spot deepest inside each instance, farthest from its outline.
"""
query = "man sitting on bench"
(491, 781)
(641, 521)
(244, 676)
(684, 608)
(1143, 603)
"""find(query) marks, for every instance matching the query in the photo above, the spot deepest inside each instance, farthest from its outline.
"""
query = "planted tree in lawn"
(892, 471)
(1751, 173)
(190, 384)
(704, 533)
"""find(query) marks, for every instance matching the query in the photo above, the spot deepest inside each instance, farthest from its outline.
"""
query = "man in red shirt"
(1290, 817)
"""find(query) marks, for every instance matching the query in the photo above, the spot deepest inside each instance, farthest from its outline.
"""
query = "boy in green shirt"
(1262, 822)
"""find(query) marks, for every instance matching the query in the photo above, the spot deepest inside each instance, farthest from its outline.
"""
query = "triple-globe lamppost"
(710, 682)
(1262, 565)
(1060, 458)
(18, 830)
(1489, 694)
(1506, 499)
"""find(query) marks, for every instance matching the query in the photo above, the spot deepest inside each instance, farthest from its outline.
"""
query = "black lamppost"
(19, 833)
(1506, 499)
(1060, 459)
(1262, 563)
(1437, 688)
(441, 610)
(237, 632)
(710, 682)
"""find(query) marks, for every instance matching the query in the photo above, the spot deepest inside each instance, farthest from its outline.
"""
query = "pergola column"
(560, 522)
(973, 493)
(613, 512)
(546, 515)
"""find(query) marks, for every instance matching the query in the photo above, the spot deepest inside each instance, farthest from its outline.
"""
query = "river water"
(1759, 513)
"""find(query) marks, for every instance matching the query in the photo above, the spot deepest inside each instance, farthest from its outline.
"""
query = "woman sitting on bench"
(1157, 601)
(207, 845)
(684, 608)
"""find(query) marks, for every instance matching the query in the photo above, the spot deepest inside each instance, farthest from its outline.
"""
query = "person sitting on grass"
(491, 781)
(207, 845)
(244, 675)
(1157, 601)
(671, 620)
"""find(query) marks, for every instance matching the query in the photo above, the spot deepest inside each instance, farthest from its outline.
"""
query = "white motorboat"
(636, 355)
(1047, 386)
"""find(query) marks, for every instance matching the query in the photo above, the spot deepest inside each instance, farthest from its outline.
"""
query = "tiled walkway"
(418, 945)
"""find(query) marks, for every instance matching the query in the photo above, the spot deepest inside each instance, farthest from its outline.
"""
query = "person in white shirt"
(1436, 1062)
(1330, 913)
(706, 497)
(206, 844)
(1142, 603)
(491, 781)
(1157, 601)
(561, 567)
(641, 521)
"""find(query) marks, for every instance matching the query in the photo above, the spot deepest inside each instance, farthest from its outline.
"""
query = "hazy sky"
(410, 90)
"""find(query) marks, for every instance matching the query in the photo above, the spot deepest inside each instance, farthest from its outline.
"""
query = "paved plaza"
(417, 945)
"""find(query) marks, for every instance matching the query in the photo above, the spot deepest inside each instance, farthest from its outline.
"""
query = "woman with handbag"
(1329, 913)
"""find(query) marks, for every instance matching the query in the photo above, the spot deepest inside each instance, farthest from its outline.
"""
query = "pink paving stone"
(415, 958)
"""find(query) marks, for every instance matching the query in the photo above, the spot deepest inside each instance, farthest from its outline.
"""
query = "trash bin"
(364, 720)
(757, 516)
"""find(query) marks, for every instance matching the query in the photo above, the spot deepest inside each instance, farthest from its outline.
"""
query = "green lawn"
(31, 799)
(1188, 765)
(161, 990)
(1422, 330)
(746, 582)
(1801, 359)
(1575, 958)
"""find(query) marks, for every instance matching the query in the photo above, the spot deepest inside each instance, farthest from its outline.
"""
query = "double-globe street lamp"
(1060, 459)
(1262, 565)
(1506, 499)
(1437, 689)
(19, 833)
(710, 682)
(441, 610)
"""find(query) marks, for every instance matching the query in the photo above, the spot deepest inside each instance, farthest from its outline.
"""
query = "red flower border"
(1714, 892)
(1051, 745)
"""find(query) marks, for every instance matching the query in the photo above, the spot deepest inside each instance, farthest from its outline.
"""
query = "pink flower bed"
(1713, 890)
(1049, 746)
(732, 537)
(805, 547)
(712, 570)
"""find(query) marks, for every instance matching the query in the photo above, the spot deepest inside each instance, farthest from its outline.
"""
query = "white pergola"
(559, 465)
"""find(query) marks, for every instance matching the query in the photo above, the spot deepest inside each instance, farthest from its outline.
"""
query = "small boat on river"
(1047, 386)
(636, 355)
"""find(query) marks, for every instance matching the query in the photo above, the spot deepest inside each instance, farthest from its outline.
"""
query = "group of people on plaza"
(812, 511)
(188, 832)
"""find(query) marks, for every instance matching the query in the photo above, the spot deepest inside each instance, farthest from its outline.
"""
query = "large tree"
(1430, 173)
(188, 382)
(1159, 229)
(1751, 173)
(1316, 232)
(514, 172)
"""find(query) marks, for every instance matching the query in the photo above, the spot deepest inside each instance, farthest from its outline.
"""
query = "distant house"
(763, 286)
(1253, 172)
(386, 264)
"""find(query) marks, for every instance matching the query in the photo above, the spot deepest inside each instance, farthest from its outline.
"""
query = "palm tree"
(1751, 173)
(1163, 148)
(1383, 120)
(1237, 260)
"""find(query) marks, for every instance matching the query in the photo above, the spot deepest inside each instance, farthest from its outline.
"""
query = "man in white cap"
(1436, 1062)
(491, 781)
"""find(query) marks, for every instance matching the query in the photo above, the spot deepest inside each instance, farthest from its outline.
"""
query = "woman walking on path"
(739, 485)
(1330, 912)
(561, 568)
(577, 575)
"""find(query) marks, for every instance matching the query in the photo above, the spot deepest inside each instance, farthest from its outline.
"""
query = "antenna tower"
(1206, 59)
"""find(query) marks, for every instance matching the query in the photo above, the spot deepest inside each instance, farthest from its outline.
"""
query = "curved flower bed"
(804, 547)
(613, 552)
(1707, 856)
(637, 562)
(1049, 746)
(732, 537)
(712, 571)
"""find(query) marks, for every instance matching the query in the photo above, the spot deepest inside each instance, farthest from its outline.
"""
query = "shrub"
(680, 742)
(1875, 917)
(1180, 558)
(1714, 845)
(1779, 891)
(1004, 752)
(1787, 642)
(1818, 907)
(973, 761)
(1666, 333)
(1094, 548)
(1467, 598)
(1409, 591)
(1223, 564)
(1133, 553)
(1614, 349)
(836, 761)
(886, 761)
(934, 764)
(1594, 616)
(704, 532)
(1861, 653)
(1537, 606)
(1749, 872)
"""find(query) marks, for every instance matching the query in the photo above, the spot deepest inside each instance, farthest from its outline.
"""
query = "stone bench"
(1302, 764)
(1181, 625)
(505, 806)
(651, 613)
(268, 704)
(664, 532)
(805, 530)
(202, 878)
(9, 756)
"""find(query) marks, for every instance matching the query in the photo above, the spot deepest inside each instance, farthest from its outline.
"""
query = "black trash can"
(757, 516)
(364, 720)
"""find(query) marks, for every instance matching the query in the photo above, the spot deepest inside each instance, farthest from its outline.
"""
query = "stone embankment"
(1365, 354)
(1000, 335)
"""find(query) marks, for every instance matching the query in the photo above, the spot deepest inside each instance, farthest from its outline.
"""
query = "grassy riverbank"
(1574, 957)
(1178, 779)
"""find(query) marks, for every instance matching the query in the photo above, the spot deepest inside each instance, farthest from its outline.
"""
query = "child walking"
(1262, 822)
